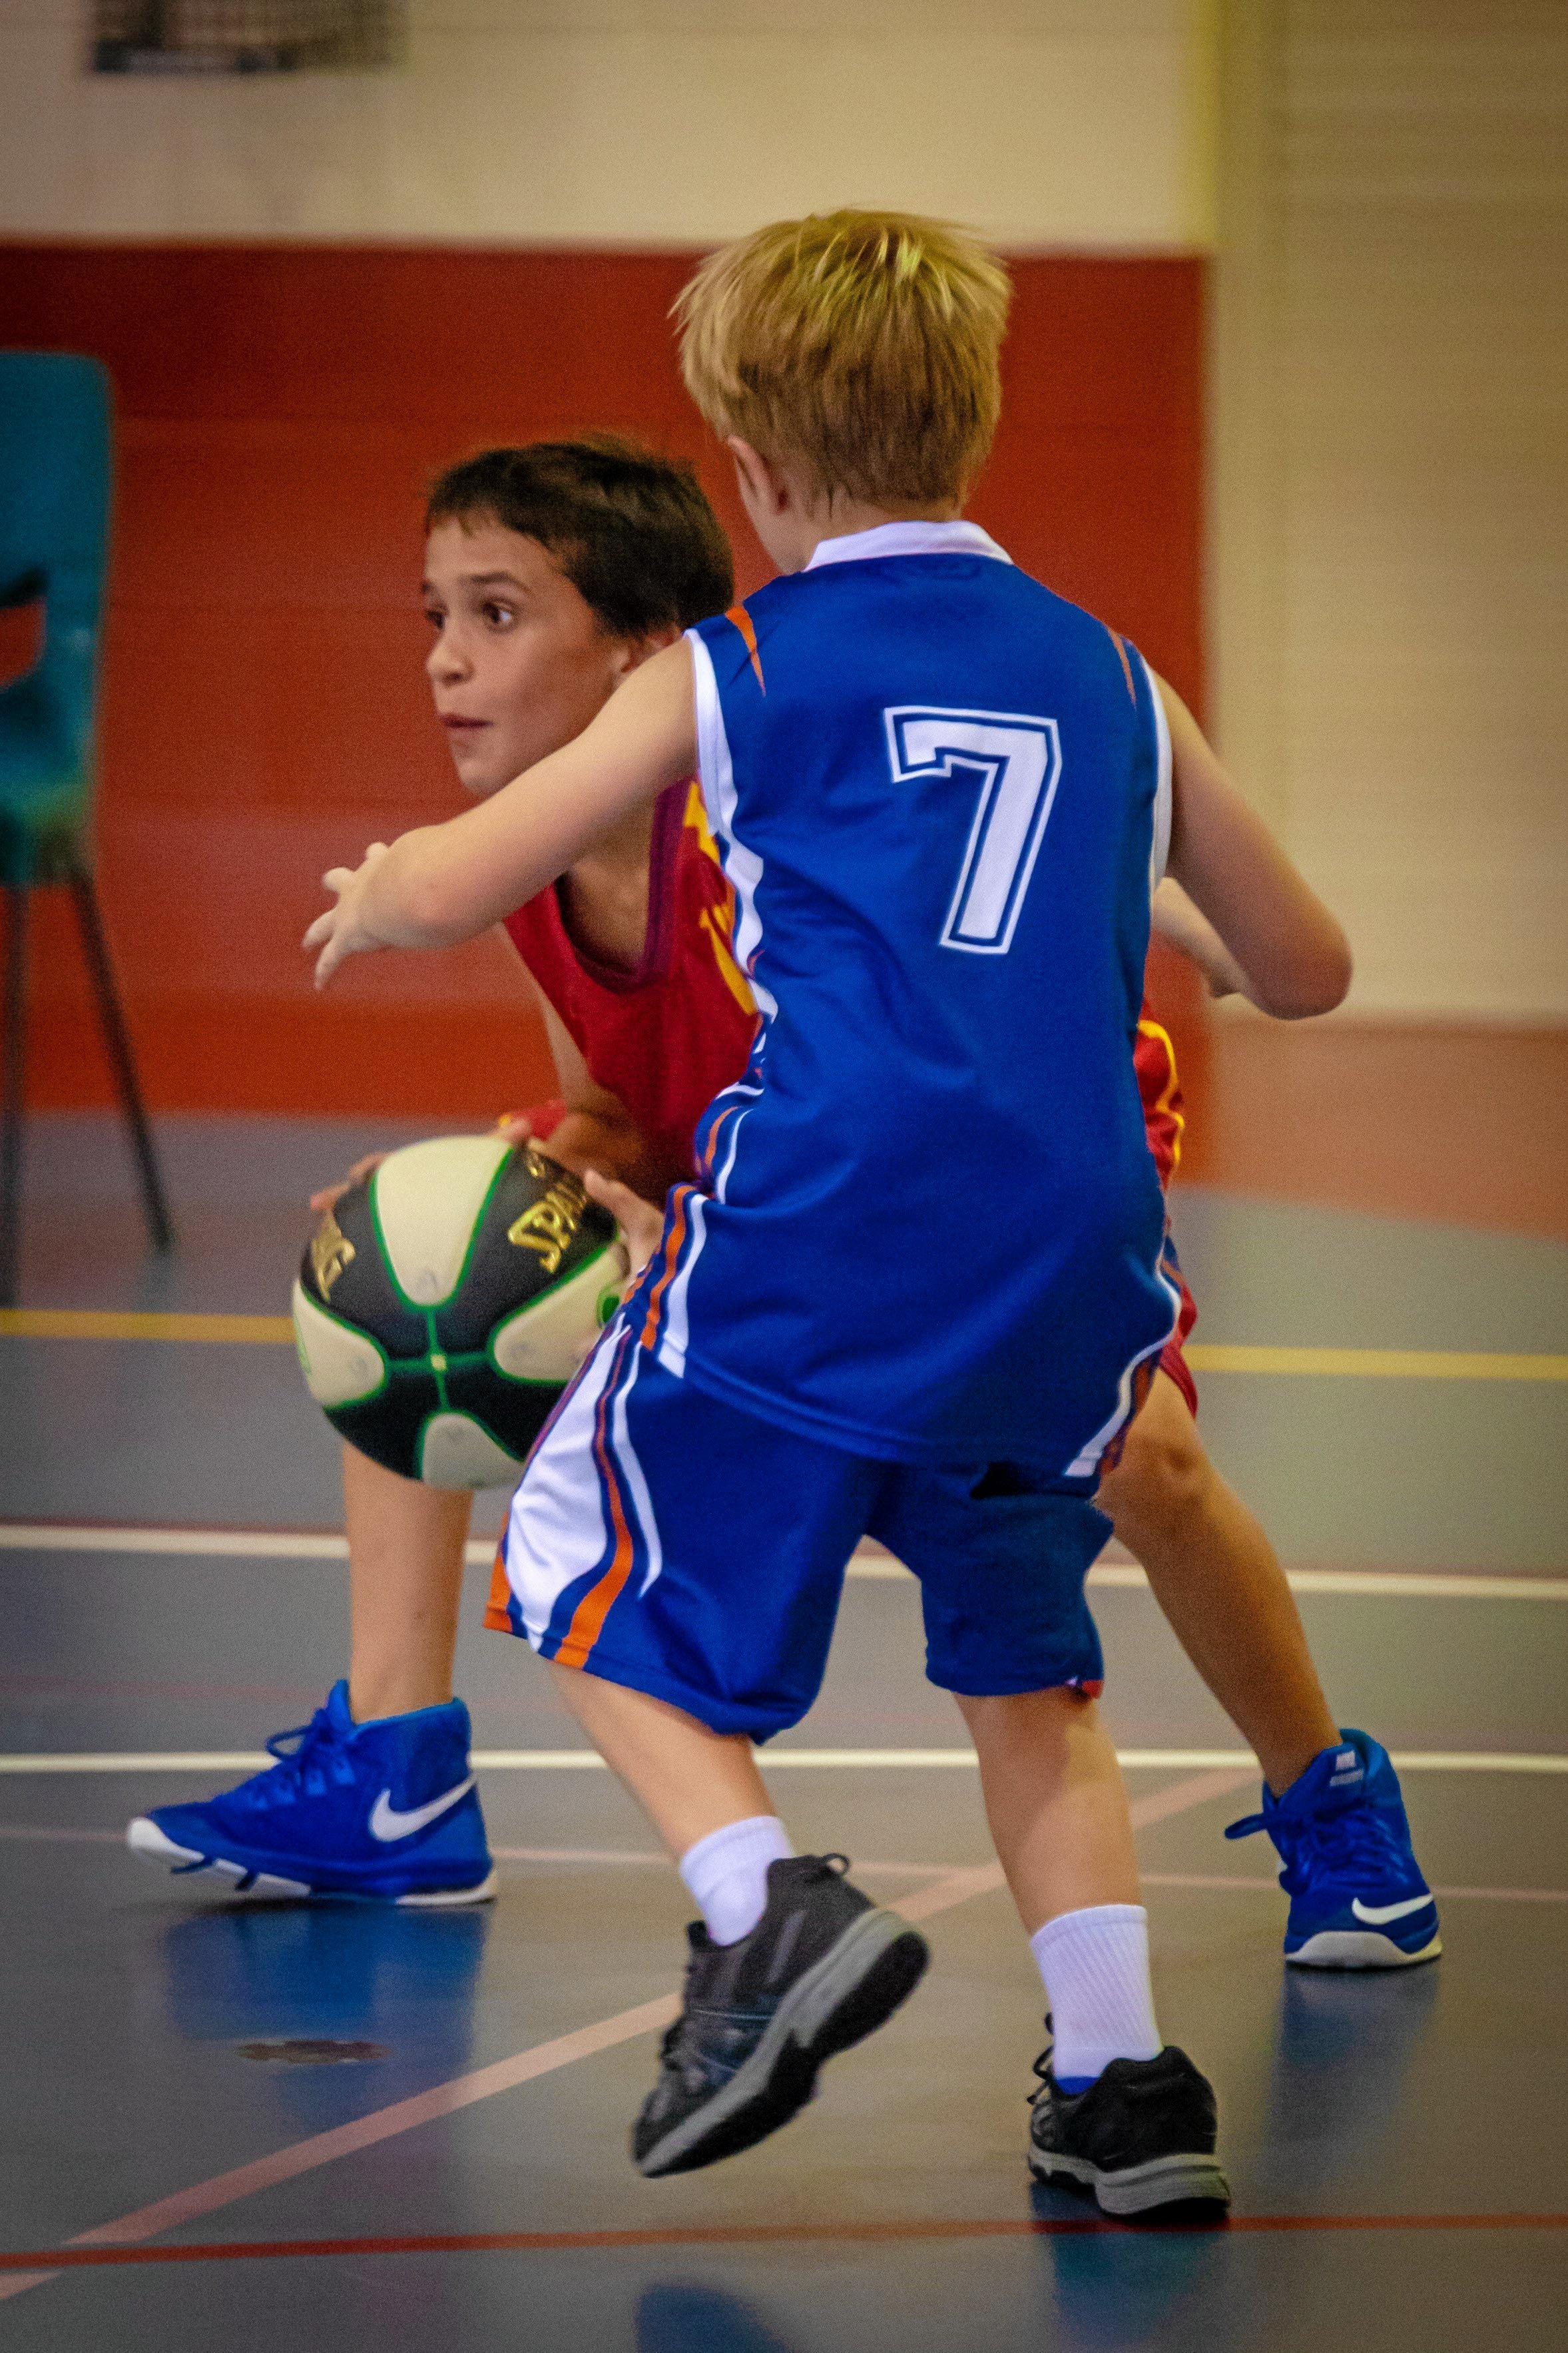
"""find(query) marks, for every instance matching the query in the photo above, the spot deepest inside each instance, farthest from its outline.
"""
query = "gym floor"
(449, 2167)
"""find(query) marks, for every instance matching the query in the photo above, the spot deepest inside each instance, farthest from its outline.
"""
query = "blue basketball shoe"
(1357, 1897)
(385, 1809)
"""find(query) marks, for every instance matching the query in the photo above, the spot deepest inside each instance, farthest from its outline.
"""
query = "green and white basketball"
(442, 1305)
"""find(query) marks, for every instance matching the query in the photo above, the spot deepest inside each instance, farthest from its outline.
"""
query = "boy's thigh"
(671, 1543)
(1001, 1556)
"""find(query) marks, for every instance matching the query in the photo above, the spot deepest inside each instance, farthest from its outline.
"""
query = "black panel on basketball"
(442, 1306)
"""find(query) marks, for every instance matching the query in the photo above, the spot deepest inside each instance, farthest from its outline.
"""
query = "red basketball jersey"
(663, 1039)
(1155, 1060)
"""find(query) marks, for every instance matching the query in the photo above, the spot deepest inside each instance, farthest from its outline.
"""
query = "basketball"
(442, 1306)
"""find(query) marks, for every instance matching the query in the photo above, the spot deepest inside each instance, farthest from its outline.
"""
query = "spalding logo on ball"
(442, 1305)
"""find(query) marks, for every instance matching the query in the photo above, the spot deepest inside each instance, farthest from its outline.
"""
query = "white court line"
(1412, 1585)
(585, 1760)
(870, 1564)
(1226, 1882)
(953, 1887)
(604, 1858)
(599, 1857)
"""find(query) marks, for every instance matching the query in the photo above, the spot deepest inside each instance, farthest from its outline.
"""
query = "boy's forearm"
(584, 1140)
(401, 905)
(1291, 949)
(443, 883)
(597, 1130)
(1292, 955)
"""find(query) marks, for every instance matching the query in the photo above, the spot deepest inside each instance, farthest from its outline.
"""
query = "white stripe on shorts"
(557, 1530)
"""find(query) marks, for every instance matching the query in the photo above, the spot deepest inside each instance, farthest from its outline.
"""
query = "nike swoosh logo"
(1376, 1914)
(386, 1823)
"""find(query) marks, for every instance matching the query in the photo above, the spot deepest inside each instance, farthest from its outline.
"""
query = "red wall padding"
(280, 410)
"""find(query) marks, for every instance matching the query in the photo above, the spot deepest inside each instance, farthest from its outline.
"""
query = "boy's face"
(520, 662)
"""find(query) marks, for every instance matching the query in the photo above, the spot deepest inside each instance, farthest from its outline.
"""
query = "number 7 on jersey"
(1016, 762)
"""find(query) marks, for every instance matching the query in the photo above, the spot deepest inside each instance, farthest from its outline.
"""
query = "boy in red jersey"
(551, 572)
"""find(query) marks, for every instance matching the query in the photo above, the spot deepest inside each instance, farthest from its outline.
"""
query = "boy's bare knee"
(1163, 1476)
(1008, 1715)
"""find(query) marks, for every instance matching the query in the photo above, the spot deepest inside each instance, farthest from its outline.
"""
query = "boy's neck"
(842, 517)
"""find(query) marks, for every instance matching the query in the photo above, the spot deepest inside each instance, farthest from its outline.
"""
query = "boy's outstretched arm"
(1292, 952)
(443, 883)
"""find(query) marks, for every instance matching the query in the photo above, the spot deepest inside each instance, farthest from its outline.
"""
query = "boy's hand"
(342, 931)
(514, 1129)
(330, 1194)
(640, 1223)
(1174, 916)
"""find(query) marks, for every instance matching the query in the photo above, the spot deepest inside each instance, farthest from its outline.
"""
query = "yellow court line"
(1379, 1363)
(92, 1323)
(1204, 1356)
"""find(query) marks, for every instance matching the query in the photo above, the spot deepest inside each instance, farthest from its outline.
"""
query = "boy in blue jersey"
(917, 1291)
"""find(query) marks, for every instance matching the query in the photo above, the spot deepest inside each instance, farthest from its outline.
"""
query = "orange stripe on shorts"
(673, 1243)
(1126, 665)
(498, 1613)
(588, 1617)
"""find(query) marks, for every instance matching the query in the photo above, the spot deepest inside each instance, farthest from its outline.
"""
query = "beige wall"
(1389, 478)
(1073, 123)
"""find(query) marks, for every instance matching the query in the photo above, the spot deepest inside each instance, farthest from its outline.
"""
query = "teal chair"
(56, 439)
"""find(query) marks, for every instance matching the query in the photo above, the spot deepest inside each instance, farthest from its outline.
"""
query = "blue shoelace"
(1349, 1843)
(301, 1770)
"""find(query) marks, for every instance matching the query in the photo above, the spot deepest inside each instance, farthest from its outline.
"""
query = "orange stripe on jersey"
(588, 1617)
(1167, 1105)
(742, 621)
(673, 1242)
(1126, 665)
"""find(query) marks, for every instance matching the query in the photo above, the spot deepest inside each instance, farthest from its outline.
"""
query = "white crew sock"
(1095, 1964)
(726, 1874)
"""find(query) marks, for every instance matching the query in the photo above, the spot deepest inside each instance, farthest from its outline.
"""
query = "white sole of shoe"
(1357, 1948)
(1137, 2189)
(144, 1838)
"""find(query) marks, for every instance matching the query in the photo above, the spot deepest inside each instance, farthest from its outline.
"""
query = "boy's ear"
(767, 486)
(632, 652)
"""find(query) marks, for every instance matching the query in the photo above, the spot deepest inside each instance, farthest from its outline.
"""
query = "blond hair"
(862, 346)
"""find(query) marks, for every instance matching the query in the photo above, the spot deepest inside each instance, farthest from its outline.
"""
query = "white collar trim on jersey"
(908, 539)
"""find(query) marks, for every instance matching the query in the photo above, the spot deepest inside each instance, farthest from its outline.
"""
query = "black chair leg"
(155, 1202)
(12, 1091)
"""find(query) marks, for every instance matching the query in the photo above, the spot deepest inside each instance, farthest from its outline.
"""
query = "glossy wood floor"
(461, 2178)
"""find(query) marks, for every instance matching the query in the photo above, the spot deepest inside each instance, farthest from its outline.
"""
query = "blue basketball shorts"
(683, 1547)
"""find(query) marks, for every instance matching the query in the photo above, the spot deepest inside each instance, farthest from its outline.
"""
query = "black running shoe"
(822, 1968)
(1142, 2133)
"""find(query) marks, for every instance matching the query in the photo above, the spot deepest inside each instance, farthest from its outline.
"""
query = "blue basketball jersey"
(928, 1225)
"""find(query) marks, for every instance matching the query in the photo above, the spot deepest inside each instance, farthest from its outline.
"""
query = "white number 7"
(1017, 761)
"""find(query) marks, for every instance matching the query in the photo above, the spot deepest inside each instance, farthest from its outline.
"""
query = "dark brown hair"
(633, 531)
